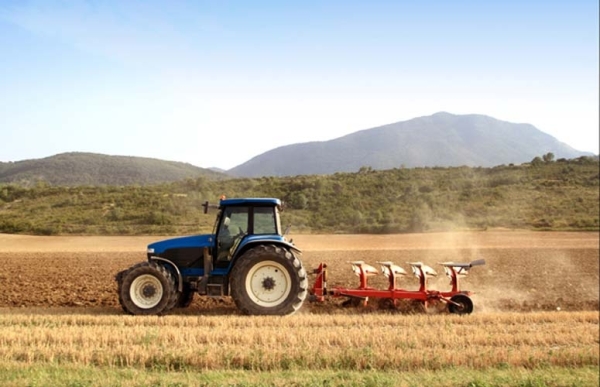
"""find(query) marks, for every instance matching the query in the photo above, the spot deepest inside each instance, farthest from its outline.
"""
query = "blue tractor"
(246, 257)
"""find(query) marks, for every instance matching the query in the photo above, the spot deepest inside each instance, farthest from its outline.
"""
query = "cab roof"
(250, 202)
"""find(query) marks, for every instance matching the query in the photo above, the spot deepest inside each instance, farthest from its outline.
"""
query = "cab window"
(264, 220)
(234, 226)
(238, 219)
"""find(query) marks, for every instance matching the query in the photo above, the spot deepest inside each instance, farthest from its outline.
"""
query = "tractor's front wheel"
(268, 280)
(147, 289)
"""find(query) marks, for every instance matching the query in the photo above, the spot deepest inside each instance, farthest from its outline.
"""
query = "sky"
(215, 83)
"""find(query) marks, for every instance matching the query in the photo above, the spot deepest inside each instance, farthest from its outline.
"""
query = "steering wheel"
(238, 237)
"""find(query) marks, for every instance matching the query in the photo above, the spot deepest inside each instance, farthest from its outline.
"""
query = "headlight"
(150, 251)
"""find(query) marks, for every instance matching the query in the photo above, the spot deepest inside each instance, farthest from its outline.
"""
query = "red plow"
(458, 301)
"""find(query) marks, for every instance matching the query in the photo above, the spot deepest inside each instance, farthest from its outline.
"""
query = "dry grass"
(304, 342)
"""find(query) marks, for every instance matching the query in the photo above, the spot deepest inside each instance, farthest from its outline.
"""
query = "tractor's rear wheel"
(268, 280)
(465, 305)
(146, 289)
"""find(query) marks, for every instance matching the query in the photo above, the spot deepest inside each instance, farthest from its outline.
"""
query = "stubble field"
(535, 320)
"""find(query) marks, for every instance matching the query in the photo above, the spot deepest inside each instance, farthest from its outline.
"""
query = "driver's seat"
(225, 256)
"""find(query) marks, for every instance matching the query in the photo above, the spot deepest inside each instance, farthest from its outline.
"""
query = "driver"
(225, 236)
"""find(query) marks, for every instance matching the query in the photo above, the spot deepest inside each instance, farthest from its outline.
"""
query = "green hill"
(72, 169)
(541, 195)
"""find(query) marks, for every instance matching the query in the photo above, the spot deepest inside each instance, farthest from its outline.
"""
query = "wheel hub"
(149, 291)
(268, 283)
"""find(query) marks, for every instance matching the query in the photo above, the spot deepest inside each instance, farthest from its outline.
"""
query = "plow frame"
(458, 300)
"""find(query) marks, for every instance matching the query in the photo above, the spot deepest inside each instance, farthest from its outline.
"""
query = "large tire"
(268, 280)
(119, 278)
(147, 289)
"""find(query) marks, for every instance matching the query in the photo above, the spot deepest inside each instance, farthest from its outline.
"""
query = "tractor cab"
(242, 221)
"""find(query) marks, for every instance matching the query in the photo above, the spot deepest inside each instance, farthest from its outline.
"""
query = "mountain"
(442, 139)
(78, 168)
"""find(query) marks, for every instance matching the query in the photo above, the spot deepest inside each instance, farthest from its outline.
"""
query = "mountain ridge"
(439, 140)
(442, 139)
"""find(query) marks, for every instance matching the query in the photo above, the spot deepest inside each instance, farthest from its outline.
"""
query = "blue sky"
(214, 83)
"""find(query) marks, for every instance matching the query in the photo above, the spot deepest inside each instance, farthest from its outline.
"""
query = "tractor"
(246, 257)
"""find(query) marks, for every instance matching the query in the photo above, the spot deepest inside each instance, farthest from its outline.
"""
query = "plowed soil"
(524, 271)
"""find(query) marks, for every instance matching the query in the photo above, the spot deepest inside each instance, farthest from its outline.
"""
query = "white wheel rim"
(268, 284)
(146, 291)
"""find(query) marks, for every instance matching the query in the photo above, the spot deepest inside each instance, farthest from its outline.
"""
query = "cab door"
(232, 229)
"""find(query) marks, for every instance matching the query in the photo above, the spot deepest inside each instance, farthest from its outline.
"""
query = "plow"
(458, 301)
(247, 257)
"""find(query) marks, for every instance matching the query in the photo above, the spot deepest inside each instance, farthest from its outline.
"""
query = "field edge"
(16, 375)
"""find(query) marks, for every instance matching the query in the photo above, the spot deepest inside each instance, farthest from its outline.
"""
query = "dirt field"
(525, 271)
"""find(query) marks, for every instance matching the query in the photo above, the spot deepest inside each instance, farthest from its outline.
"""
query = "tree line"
(545, 194)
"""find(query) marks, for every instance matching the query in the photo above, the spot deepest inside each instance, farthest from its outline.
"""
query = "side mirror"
(205, 205)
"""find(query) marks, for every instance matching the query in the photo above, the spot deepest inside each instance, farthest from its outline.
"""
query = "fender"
(277, 242)
(266, 239)
(254, 240)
